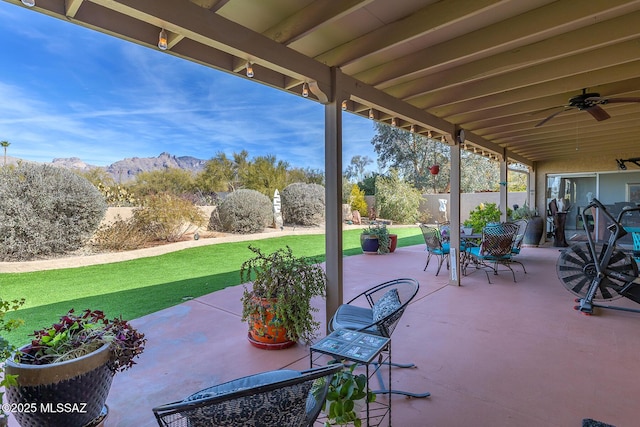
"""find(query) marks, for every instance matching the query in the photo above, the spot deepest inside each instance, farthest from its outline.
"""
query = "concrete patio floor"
(501, 354)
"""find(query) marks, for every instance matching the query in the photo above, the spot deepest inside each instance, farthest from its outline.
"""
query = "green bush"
(357, 200)
(243, 211)
(303, 204)
(167, 217)
(45, 210)
(397, 199)
(483, 214)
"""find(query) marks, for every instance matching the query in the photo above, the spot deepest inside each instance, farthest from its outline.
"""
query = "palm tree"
(4, 145)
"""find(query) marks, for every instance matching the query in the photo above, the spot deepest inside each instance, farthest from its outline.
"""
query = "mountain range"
(126, 169)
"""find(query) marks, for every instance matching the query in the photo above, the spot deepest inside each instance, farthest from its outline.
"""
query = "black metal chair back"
(269, 399)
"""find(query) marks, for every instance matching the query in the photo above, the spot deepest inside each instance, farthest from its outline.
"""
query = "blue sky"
(67, 91)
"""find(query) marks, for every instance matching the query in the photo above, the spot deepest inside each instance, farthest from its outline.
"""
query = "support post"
(454, 212)
(333, 198)
(504, 189)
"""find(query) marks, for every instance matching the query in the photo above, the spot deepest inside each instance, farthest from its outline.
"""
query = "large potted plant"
(375, 240)
(6, 350)
(64, 375)
(535, 224)
(277, 303)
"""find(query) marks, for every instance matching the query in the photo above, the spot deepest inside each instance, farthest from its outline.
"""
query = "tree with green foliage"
(412, 154)
(5, 145)
(306, 175)
(170, 180)
(356, 169)
(266, 174)
(97, 176)
(397, 199)
(222, 173)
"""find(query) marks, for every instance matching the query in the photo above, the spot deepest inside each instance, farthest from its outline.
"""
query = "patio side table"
(361, 348)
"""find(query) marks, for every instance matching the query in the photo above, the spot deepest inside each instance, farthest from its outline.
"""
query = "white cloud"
(88, 95)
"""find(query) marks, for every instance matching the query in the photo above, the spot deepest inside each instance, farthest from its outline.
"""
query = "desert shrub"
(120, 235)
(303, 204)
(167, 217)
(45, 210)
(243, 211)
(117, 195)
(357, 200)
(397, 199)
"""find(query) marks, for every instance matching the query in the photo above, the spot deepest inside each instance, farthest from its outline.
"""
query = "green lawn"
(142, 286)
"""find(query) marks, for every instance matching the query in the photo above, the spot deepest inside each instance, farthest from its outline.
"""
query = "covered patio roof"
(494, 68)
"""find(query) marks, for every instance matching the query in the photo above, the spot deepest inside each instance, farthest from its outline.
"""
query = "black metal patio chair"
(494, 249)
(269, 399)
(377, 311)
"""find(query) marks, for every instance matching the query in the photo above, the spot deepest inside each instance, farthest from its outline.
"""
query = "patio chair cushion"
(353, 317)
(387, 304)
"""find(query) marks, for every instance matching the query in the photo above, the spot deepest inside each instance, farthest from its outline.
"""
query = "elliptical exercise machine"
(598, 272)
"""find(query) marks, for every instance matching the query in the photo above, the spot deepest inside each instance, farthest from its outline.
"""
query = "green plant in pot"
(65, 373)
(482, 215)
(7, 349)
(376, 232)
(523, 212)
(348, 395)
(277, 304)
(535, 224)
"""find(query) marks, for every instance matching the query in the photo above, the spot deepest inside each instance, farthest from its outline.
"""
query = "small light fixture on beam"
(393, 121)
(371, 113)
(429, 135)
(29, 3)
(305, 90)
(413, 128)
(344, 105)
(162, 40)
(249, 69)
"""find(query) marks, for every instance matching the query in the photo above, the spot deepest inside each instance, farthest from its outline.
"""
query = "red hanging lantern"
(435, 169)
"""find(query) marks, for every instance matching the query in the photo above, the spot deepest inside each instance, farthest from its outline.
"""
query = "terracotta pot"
(265, 333)
(393, 242)
(71, 393)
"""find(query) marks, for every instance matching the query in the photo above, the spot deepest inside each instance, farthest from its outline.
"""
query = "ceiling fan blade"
(603, 100)
(552, 116)
(612, 100)
(598, 113)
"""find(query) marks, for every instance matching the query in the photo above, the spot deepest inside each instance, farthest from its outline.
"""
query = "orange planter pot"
(264, 331)
(393, 242)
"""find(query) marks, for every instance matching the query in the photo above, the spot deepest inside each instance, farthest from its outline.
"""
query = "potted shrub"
(65, 373)
(535, 224)
(482, 215)
(6, 349)
(347, 397)
(375, 240)
(277, 307)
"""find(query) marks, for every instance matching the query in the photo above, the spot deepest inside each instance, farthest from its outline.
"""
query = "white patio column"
(454, 211)
(333, 198)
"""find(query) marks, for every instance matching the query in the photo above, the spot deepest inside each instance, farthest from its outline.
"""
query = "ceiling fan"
(589, 102)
